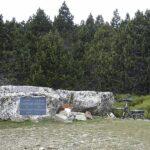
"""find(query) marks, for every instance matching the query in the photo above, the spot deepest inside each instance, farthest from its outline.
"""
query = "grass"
(28, 123)
(94, 134)
(8, 124)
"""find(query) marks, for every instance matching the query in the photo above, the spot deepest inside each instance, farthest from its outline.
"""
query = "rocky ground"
(104, 134)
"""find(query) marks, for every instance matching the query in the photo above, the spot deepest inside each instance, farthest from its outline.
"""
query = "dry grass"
(98, 134)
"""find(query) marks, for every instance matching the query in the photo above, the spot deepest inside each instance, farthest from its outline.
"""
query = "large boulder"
(98, 103)
(10, 99)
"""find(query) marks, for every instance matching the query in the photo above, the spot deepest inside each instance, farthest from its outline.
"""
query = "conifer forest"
(93, 55)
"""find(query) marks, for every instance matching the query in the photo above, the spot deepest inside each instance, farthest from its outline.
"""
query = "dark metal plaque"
(32, 106)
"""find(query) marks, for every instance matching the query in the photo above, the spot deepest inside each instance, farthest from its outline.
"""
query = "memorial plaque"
(32, 106)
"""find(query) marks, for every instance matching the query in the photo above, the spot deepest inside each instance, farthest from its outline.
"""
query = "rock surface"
(96, 102)
(111, 115)
(88, 115)
(62, 118)
(10, 99)
(80, 116)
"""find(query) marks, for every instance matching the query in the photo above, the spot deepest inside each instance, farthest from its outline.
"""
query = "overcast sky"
(22, 9)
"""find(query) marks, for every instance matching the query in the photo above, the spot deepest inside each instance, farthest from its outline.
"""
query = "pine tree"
(64, 21)
(94, 55)
(116, 20)
(39, 24)
(99, 20)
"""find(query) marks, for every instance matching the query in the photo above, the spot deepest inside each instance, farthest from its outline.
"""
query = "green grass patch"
(13, 124)
(27, 123)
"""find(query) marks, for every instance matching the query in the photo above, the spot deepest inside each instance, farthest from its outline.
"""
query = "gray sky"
(22, 9)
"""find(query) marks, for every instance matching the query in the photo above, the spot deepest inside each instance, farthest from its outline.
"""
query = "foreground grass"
(92, 134)
(12, 124)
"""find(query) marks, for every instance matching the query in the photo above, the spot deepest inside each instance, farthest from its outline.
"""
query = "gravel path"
(90, 135)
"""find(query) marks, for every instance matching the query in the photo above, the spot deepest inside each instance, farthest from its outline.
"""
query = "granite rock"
(98, 103)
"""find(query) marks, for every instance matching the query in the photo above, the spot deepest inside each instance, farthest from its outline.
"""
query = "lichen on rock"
(98, 103)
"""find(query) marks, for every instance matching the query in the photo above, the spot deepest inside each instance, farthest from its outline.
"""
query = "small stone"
(38, 145)
(88, 115)
(68, 111)
(84, 135)
(111, 115)
(62, 118)
(63, 113)
(80, 116)
(41, 148)
(82, 142)
(51, 148)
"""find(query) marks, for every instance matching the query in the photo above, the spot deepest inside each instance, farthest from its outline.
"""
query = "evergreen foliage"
(95, 55)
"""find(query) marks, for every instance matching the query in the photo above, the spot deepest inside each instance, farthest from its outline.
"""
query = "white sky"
(22, 9)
